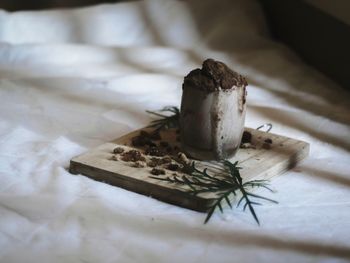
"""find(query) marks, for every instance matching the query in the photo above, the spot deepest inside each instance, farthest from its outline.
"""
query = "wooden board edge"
(171, 196)
(288, 164)
(168, 195)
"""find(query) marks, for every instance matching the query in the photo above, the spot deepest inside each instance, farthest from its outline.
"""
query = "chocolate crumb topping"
(214, 75)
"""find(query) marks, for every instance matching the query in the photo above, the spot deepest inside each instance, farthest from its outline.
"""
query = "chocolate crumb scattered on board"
(268, 140)
(139, 164)
(118, 150)
(173, 166)
(132, 156)
(145, 139)
(154, 151)
(246, 137)
(157, 171)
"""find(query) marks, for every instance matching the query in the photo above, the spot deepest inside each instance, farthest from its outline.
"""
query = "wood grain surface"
(264, 161)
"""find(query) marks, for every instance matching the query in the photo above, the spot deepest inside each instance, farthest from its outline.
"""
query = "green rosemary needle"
(165, 122)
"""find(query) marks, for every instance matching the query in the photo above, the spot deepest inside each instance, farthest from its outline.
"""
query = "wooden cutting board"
(264, 161)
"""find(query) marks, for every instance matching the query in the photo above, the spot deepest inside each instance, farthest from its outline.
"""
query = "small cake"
(212, 111)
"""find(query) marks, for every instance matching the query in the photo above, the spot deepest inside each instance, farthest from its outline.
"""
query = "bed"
(72, 79)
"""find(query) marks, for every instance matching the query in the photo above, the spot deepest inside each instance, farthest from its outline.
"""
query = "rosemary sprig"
(224, 186)
(166, 121)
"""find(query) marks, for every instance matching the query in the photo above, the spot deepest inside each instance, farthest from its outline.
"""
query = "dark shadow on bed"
(180, 230)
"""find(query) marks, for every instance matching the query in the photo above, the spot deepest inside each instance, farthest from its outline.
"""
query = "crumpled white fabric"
(73, 79)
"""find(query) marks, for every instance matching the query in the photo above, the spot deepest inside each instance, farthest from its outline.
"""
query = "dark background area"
(16, 5)
(320, 39)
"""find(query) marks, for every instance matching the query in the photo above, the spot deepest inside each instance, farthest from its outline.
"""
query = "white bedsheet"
(73, 79)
